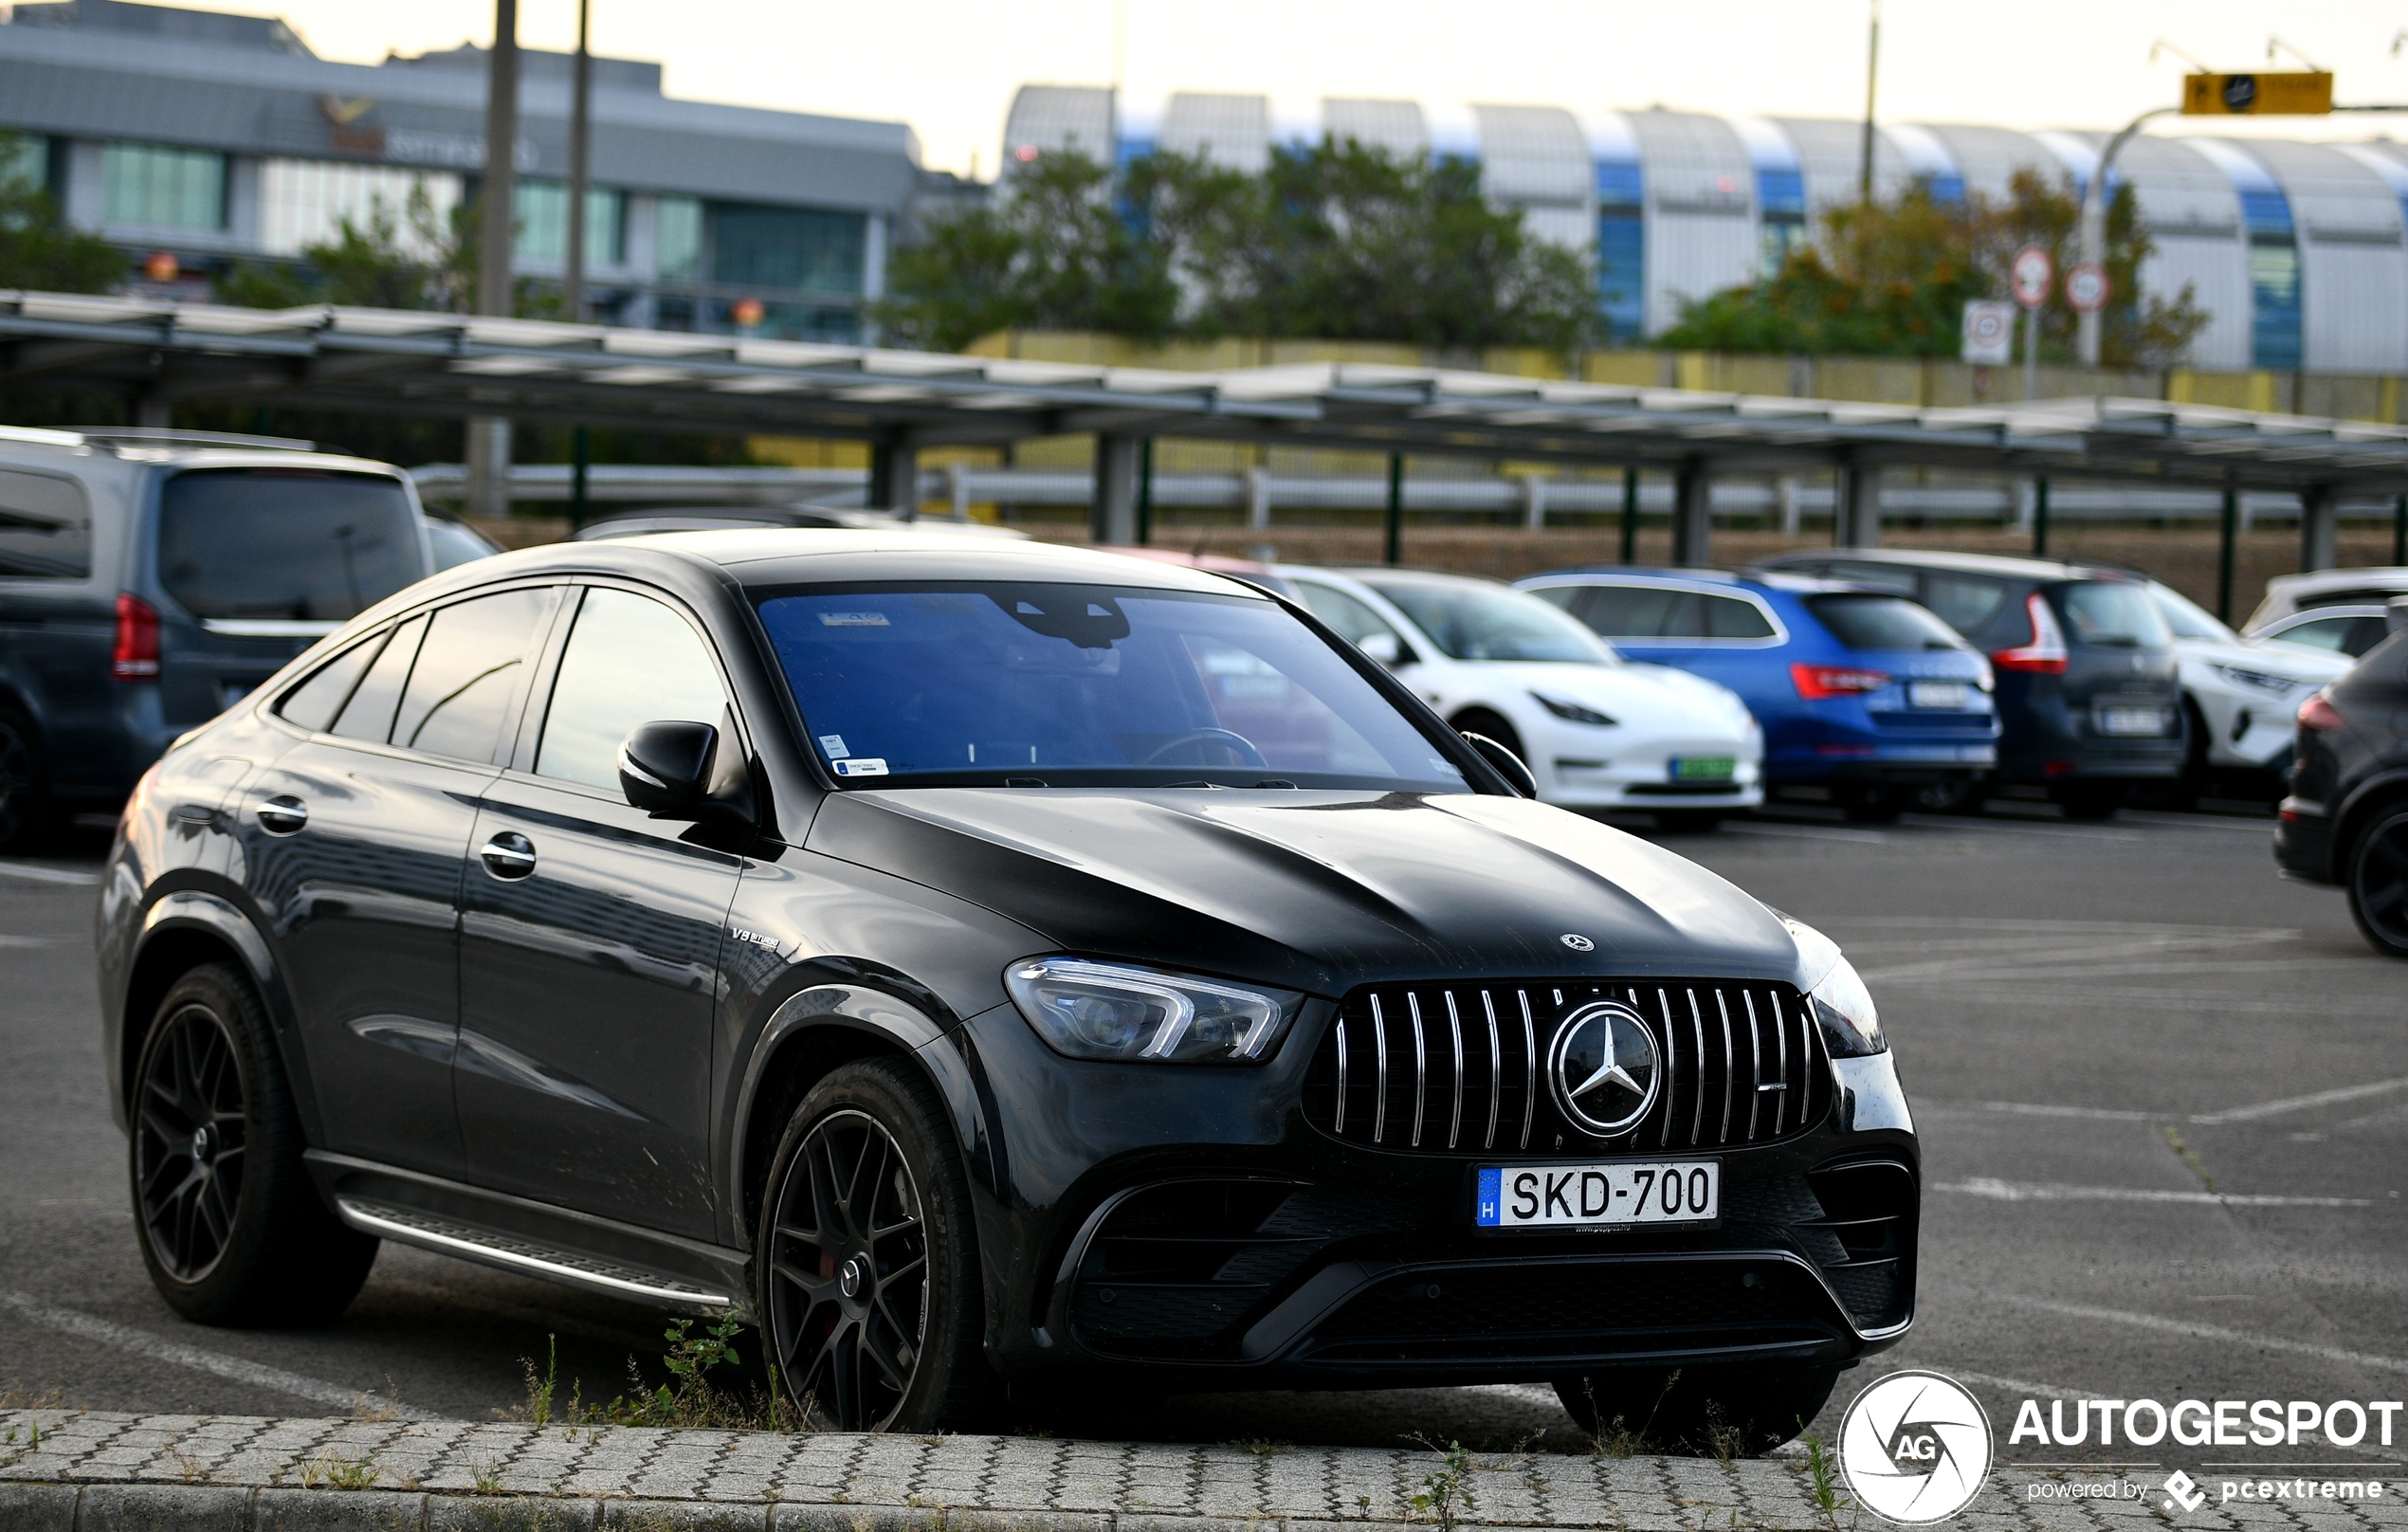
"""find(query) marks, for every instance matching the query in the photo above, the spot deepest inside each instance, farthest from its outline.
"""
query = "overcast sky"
(948, 67)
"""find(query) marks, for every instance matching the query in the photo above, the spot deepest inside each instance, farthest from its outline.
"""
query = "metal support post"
(2227, 534)
(1630, 516)
(1856, 521)
(2399, 532)
(1533, 501)
(1692, 518)
(1112, 509)
(2319, 523)
(1396, 550)
(2040, 517)
(1145, 492)
(580, 459)
(490, 436)
(1258, 498)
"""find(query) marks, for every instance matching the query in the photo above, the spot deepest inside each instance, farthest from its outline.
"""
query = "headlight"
(1574, 711)
(1843, 1007)
(1144, 1015)
(2257, 679)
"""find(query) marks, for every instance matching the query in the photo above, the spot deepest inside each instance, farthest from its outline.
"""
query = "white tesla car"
(2242, 695)
(1597, 731)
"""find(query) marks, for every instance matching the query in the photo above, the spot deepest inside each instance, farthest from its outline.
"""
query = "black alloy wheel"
(25, 799)
(2379, 884)
(869, 1280)
(230, 1226)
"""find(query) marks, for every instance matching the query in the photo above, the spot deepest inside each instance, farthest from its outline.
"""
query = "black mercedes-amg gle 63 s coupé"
(999, 972)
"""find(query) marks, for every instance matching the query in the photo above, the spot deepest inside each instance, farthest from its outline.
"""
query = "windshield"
(1490, 622)
(2187, 619)
(1004, 684)
(1882, 622)
(2112, 611)
(295, 543)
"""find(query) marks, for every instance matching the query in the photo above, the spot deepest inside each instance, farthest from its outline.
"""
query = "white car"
(1597, 731)
(2287, 593)
(2243, 694)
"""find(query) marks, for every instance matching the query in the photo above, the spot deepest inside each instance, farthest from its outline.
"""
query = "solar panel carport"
(383, 361)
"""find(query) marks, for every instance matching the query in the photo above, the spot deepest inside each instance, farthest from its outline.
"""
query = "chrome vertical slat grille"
(1757, 1056)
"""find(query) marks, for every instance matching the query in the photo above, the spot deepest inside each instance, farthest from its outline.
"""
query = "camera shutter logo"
(1604, 1069)
(1915, 1448)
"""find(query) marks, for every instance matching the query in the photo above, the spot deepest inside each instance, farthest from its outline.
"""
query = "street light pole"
(1865, 154)
(2094, 246)
(573, 284)
(489, 435)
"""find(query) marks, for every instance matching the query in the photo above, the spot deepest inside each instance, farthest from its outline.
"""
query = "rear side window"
(2112, 613)
(1882, 622)
(369, 713)
(630, 661)
(1640, 612)
(467, 670)
(314, 704)
(297, 543)
(1898, 579)
(45, 528)
(1727, 616)
(1964, 602)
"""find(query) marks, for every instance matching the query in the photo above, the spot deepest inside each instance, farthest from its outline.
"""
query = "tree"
(1892, 279)
(374, 266)
(1334, 242)
(39, 250)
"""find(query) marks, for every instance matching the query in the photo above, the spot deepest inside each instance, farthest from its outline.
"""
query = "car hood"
(2303, 664)
(1314, 891)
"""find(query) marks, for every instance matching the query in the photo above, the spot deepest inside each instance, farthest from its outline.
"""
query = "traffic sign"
(2032, 272)
(2294, 93)
(1989, 339)
(2086, 286)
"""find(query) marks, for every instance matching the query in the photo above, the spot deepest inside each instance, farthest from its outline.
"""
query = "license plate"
(2131, 720)
(1598, 1197)
(1936, 694)
(1702, 768)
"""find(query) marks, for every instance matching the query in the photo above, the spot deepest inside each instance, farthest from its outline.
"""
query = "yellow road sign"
(2294, 93)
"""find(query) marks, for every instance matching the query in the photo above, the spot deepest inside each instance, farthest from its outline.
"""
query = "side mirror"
(1383, 646)
(1508, 764)
(664, 768)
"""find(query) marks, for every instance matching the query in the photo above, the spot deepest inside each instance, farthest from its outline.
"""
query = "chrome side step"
(412, 1227)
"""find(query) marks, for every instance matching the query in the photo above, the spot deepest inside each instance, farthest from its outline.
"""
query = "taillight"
(2316, 713)
(136, 657)
(2046, 653)
(1816, 681)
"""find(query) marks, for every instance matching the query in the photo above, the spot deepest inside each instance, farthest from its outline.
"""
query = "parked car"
(2288, 594)
(645, 522)
(149, 580)
(1860, 692)
(455, 542)
(1596, 730)
(978, 962)
(2088, 689)
(2349, 631)
(2240, 695)
(2346, 821)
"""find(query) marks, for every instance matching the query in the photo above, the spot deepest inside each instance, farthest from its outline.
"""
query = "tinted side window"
(1881, 622)
(1896, 579)
(285, 542)
(369, 714)
(45, 528)
(1629, 611)
(1729, 617)
(314, 703)
(1964, 602)
(466, 672)
(1567, 596)
(630, 659)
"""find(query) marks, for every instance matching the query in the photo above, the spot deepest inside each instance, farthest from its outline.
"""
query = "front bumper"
(1215, 1240)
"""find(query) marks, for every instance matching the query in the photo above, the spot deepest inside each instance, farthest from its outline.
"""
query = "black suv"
(2088, 684)
(2347, 819)
(984, 965)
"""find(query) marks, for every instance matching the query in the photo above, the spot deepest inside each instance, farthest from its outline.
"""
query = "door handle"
(282, 815)
(508, 856)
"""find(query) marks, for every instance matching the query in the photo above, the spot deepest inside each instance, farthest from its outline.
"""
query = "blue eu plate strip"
(1490, 1194)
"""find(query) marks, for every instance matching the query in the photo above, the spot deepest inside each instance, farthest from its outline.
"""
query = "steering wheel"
(1237, 742)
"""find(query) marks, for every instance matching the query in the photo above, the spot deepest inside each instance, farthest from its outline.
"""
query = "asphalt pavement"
(2163, 1099)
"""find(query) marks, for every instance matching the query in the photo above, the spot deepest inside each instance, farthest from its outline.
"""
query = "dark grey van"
(149, 580)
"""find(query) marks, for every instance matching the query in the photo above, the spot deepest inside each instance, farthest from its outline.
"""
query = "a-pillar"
(1859, 524)
(2319, 523)
(1692, 518)
(1112, 511)
(894, 478)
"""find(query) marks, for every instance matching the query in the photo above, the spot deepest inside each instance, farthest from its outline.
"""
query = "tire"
(1481, 721)
(1969, 796)
(28, 818)
(232, 1227)
(1699, 1412)
(1871, 803)
(2377, 882)
(884, 1331)
(1688, 821)
(2092, 801)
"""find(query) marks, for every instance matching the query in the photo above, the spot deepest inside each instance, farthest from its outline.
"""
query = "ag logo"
(1915, 1448)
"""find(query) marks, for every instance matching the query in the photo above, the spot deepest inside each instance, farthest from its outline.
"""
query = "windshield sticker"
(863, 766)
(853, 619)
(834, 745)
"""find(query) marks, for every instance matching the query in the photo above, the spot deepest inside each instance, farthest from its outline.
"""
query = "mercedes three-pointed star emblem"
(1603, 1067)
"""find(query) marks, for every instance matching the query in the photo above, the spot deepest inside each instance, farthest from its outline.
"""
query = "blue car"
(1861, 692)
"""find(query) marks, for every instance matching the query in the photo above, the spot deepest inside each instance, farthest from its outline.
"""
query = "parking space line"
(26, 941)
(2301, 1103)
(2103, 1114)
(234, 1369)
(1934, 822)
(37, 874)
(2204, 1331)
(1986, 1186)
(2246, 826)
(1757, 826)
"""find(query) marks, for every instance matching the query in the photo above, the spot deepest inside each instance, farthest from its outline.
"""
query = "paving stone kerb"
(87, 1472)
